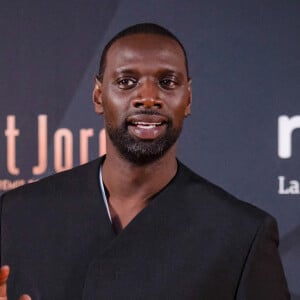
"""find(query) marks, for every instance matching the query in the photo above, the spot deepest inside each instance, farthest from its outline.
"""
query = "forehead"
(145, 51)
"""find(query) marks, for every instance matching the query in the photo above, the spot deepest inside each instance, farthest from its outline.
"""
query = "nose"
(148, 96)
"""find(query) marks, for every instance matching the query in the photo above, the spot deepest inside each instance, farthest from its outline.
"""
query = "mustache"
(147, 112)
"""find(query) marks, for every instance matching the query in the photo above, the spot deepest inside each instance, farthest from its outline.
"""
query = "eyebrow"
(163, 71)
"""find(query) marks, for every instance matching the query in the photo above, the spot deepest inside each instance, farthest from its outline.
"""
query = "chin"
(142, 152)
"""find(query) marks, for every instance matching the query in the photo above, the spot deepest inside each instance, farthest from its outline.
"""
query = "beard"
(142, 152)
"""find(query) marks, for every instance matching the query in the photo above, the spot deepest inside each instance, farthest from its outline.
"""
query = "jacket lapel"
(138, 243)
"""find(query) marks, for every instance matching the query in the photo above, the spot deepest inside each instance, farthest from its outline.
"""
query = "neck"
(127, 181)
(130, 186)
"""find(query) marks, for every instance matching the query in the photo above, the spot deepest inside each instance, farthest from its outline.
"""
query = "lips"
(147, 127)
(143, 119)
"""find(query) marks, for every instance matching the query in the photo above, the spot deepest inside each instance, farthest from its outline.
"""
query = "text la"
(290, 187)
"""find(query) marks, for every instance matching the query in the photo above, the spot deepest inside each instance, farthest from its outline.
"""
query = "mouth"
(147, 127)
(147, 120)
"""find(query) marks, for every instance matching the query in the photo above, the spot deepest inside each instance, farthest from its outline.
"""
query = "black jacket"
(193, 241)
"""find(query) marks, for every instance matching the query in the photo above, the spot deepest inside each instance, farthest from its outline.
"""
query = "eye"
(126, 83)
(168, 83)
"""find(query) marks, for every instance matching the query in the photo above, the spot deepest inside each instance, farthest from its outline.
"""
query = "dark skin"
(134, 80)
(143, 71)
(4, 272)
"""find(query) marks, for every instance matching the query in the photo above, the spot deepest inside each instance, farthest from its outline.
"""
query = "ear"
(97, 97)
(187, 111)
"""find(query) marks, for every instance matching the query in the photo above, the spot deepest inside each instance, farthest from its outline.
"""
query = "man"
(137, 223)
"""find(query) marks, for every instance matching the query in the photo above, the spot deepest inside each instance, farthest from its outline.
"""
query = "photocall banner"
(244, 131)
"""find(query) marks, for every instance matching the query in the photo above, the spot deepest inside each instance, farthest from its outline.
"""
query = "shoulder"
(201, 194)
(230, 223)
(55, 184)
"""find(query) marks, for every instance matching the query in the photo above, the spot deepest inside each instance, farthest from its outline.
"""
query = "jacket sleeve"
(263, 277)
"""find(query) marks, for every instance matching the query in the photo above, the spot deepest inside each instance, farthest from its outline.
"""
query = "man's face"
(144, 96)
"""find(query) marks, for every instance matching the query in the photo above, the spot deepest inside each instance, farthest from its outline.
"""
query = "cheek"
(114, 108)
(179, 106)
(116, 98)
(180, 115)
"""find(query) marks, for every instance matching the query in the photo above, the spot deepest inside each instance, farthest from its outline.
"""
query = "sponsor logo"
(286, 127)
(63, 147)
